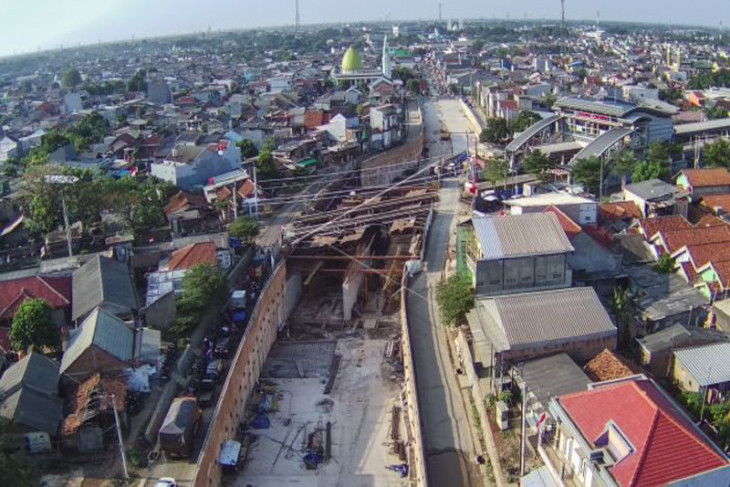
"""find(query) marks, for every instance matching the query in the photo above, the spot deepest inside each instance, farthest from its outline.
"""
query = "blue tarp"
(261, 422)
(239, 317)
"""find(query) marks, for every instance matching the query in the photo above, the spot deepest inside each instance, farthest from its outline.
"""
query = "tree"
(658, 152)
(523, 121)
(16, 470)
(139, 204)
(497, 131)
(33, 325)
(650, 170)
(71, 78)
(455, 298)
(621, 305)
(550, 100)
(248, 149)
(266, 164)
(414, 86)
(716, 112)
(496, 170)
(623, 163)
(588, 173)
(202, 286)
(539, 164)
(245, 228)
(137, 82)
(665, 264)
(717, 154)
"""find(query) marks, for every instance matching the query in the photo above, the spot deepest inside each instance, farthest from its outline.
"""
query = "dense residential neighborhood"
(409, 253)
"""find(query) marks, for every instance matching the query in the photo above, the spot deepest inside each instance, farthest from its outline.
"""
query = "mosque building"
(352, 70)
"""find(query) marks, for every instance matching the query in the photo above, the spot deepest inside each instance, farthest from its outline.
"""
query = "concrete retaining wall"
(417, 461)
(473, 120)
(270, 312)
(383, 168)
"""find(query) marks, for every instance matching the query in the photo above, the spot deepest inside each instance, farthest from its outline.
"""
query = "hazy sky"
(27, 25)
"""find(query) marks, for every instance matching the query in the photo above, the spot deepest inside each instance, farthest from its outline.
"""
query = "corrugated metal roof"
(549, 316)
(520, 235)
(699, 127)
(99, 281)
(531, 131)
(104, 330)
(604, 142)
(617, 109)
(708, 365)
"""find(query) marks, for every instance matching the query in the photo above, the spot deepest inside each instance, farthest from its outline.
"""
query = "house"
(656, 349)
(105, 283)
(190, 166)
(715, 204)
(545, 378)
(593, 258)
(509, 254)
(159, 93)
(56, 291)
(103, 343)
(8, 148)
(657, 198)
(169, 276)
(582, 211)
(704, 369)
(628, 433)
(720, 317)
(662, 300)
(29, 395)
(93, 406)
(385, 125)
(704, 182)
(185, 210)
(511, 329)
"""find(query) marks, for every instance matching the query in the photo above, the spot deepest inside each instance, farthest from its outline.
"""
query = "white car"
(166, 482)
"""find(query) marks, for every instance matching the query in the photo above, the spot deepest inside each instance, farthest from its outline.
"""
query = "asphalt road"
(450, 449)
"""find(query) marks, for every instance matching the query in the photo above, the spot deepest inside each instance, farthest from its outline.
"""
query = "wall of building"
(580, 350)
(271, 311)
(162, 313)
(683, 378)
(351, 288)
(496, 277)
(417, 451)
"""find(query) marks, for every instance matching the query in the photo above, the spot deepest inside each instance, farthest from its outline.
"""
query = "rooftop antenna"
(296, 18)
(598, 19)
(439, 13)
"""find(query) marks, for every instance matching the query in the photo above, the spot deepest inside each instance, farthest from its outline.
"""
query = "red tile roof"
(620, 210)
(707, 178)
(183, 201)
(689, 272)
(715, 202)
(55, 290)
(313, 119)
(702, 254)
(675, 240)
(652, 226)
(668, 447)
(203, 253)
(722, 269)
(710, 221)
(570, 228)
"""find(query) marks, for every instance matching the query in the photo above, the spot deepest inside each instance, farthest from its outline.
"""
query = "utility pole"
(523, 438)
(235, 202)
(600, 184)
(119, 436)
(255, 193)
(66, 225)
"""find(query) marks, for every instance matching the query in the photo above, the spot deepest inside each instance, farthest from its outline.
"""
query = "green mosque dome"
(351, 61)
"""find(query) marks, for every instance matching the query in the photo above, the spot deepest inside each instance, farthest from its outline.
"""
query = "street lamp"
(64, 180)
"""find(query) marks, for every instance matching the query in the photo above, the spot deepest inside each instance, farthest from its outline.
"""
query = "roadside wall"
(271, 311)
(383, 168)
(417, 462)
(473, 120)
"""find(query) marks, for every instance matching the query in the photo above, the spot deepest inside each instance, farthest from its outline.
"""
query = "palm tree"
(623, 163)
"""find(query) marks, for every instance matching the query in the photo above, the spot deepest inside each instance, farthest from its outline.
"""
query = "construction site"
(330, 405)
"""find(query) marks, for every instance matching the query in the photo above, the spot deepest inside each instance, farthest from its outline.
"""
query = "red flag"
(542, 419)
